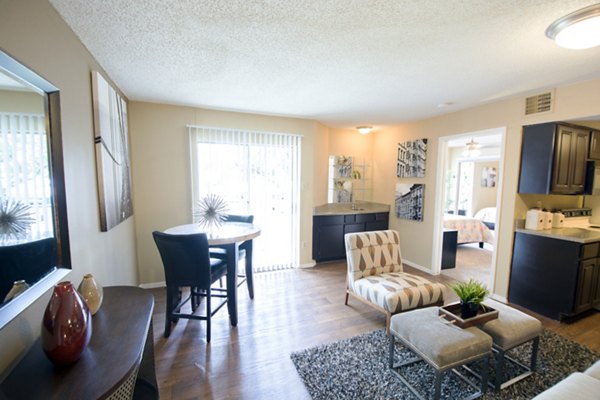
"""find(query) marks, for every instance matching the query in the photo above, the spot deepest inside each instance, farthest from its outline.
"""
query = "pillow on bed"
(487, 215)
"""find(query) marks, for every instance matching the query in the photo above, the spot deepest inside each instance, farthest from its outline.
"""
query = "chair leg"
(347, 295)
(437, 385)
(499, 370)
(391, 356)
(208, 315)
(195, 299)
(168, 311)
(388, 318)
(485, 374)
(534, 352)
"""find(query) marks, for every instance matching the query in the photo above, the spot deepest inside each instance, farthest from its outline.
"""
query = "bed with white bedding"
(470, 230)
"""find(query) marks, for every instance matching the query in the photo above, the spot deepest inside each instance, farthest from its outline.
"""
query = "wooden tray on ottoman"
(452, 313)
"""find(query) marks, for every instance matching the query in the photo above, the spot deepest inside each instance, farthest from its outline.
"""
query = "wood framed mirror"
(34, 238)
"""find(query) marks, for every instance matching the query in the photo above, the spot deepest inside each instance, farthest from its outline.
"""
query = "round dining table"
(228, 236)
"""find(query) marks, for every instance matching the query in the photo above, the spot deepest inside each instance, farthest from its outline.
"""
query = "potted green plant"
(471, 294)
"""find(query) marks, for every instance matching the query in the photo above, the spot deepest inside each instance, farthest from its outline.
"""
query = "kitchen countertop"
(361, 207)
(580, 235)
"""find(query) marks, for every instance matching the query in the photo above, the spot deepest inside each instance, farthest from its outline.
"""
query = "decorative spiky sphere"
(210, 211)
(15, 219)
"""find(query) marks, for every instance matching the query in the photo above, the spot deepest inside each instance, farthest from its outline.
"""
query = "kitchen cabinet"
(554, 277)
(596, 296)
(554, 159)
(585, 285)
(329, 231)
(594, 153)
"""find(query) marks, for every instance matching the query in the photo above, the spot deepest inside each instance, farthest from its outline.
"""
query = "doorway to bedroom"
(470, 202)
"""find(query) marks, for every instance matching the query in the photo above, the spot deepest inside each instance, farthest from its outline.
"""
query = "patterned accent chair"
(375, 275)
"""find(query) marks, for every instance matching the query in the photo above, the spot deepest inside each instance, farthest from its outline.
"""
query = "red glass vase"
(67, 325)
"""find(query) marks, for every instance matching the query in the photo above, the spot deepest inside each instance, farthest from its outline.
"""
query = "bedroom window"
(256, 173)
(464, 188)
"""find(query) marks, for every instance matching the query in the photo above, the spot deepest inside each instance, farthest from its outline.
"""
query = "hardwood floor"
(292, 310)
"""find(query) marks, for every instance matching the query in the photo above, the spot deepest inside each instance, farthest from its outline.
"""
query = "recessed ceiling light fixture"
(364, 130)
(578, 30)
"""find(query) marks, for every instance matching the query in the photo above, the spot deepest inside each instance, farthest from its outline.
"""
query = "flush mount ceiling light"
(578, 30)
(364, 130)
(471, 149)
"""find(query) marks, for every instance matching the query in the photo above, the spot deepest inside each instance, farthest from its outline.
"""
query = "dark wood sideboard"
(118, 363)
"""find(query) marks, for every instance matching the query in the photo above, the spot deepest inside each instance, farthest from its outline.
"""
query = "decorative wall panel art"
(111, 136)
(411, 159)
(409, 201)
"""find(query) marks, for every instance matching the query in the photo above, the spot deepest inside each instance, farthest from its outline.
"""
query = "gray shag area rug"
(357, 368)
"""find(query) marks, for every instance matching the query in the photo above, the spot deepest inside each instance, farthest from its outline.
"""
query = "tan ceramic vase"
(17, 288)
(91, 292)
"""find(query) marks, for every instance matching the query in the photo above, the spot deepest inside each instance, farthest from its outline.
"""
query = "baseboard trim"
(153, 285)
(499, 298)
(417, 266)
(307, 265)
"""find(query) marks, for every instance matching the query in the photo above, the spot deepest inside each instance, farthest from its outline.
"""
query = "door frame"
(440, 195)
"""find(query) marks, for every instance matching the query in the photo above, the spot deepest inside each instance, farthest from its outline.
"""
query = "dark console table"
(117, 364)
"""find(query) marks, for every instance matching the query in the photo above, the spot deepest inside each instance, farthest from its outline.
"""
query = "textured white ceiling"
(342, 62)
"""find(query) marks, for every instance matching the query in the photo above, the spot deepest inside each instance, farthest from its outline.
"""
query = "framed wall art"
(411, 159)
(488, 177)
(409, 201)
(111, 137)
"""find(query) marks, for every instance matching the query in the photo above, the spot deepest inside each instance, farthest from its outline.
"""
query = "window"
(465, 187)
(257, 173)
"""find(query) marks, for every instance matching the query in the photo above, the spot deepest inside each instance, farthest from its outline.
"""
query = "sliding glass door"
(257, 173)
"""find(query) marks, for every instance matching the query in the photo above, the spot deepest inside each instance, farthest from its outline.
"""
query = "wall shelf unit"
(349, 179)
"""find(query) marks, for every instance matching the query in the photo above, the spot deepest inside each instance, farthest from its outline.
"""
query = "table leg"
(232, 257)
(249, 278)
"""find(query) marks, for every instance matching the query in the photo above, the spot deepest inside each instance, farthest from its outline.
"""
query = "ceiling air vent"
(539, 103)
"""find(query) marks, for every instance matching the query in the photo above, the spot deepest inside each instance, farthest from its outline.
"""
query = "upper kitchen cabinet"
(553, 159)
(595, 145)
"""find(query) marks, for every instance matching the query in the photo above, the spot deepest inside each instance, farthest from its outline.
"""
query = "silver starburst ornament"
(15, 219)
(210, 211)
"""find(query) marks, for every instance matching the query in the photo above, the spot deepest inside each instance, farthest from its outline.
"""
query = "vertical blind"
(24, 170)
(257, 173)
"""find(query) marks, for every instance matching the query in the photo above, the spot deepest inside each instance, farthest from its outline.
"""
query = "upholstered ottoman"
(577, 386)
(440, 344)
(512, 328)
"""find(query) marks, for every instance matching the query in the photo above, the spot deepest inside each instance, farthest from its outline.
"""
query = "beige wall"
(483, 196)
(574, 101)
(348, 142)
(161, 171)
(160, 160)
(21, 102)
(32, 32)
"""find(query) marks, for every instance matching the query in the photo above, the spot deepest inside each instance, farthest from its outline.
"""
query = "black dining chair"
(187, 263)
(245, 252)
